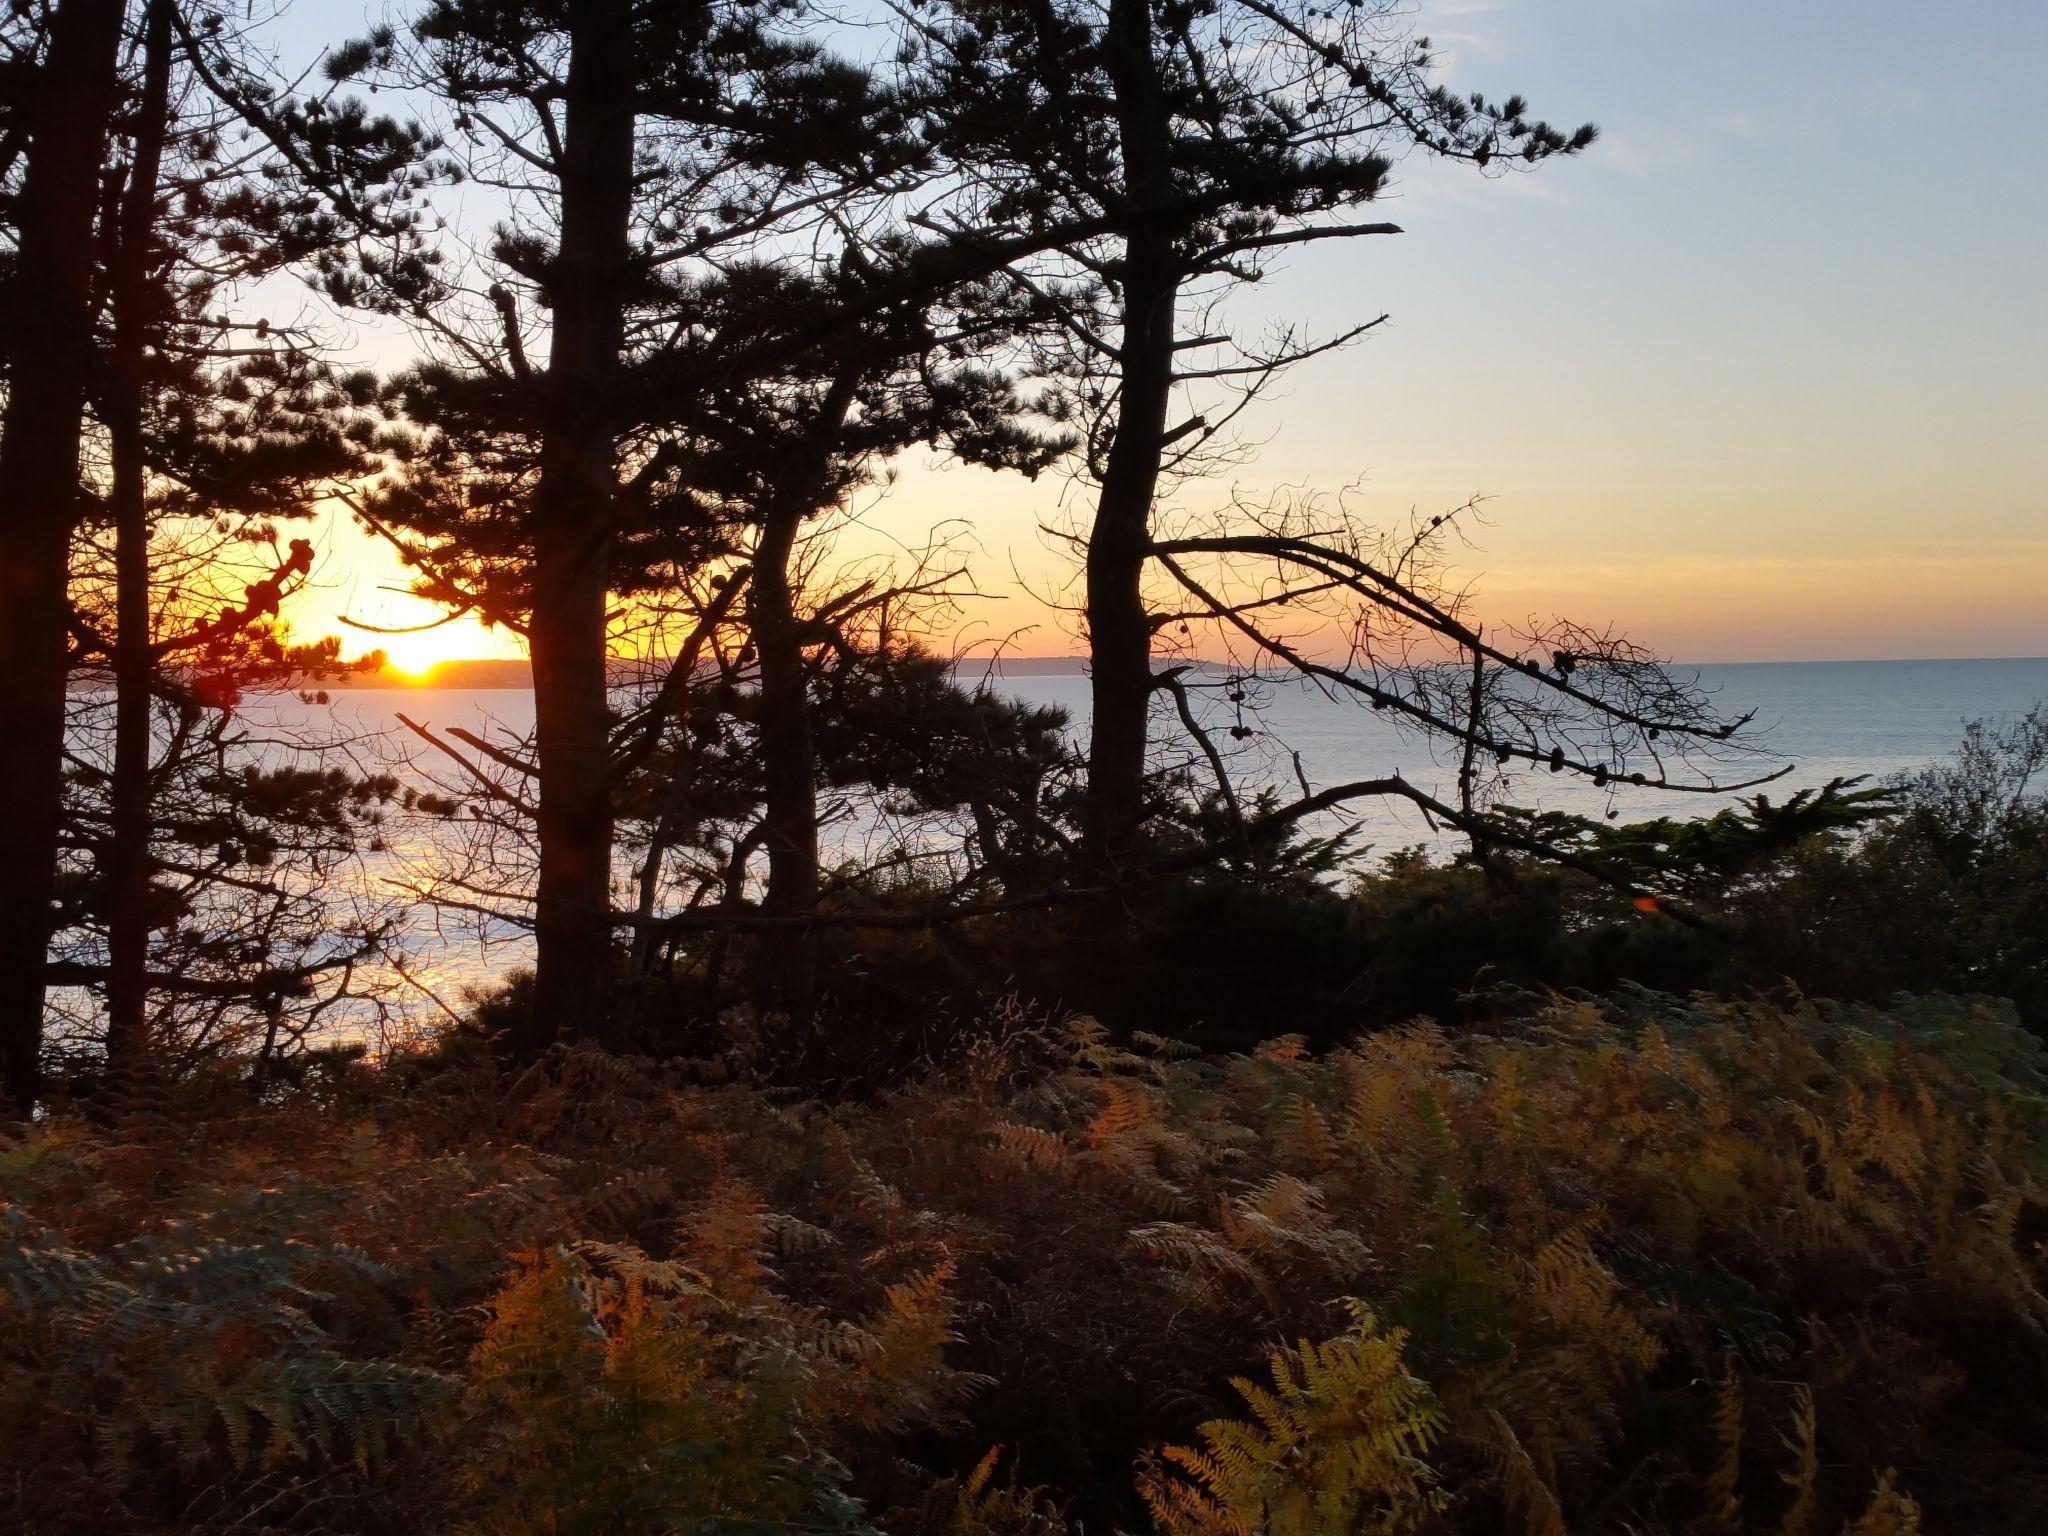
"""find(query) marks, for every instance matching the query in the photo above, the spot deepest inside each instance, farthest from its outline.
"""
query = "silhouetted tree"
(60, 109)
(797, 444)
(636, 142)
(1203, 137)
(756, 227)
(210, 424)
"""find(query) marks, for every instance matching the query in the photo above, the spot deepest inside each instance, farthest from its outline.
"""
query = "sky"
(1762, 375)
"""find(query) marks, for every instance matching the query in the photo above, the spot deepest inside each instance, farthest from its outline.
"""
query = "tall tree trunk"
(48, 355)
(128, 841)
(1119, 543)
(789, 819)
(573, 529)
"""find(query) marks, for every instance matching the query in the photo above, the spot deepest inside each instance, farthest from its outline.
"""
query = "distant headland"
(478, 672)
(515, 672)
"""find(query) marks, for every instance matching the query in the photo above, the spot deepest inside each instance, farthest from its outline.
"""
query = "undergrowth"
(1634, 1264)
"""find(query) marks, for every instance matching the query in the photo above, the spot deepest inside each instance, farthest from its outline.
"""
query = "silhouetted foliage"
(196, 911)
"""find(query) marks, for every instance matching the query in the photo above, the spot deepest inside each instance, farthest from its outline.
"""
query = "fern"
(979, 1505)
(900, 1375)
(601, 1400)
(1031, 1145)
(1525, 1487)
(1302, 1140)
(1575, 1217)
(1336, 1446)
(1804, 1477)
(1891, 1513)
(203, 1350)
(729, 1236)
(1724, 1486)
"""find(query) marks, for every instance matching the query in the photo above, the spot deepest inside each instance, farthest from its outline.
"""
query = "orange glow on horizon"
(412, 656)
(411, 677)
(1696, 605)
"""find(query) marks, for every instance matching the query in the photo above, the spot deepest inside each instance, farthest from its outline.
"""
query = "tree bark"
(573, 530)
(128, 868)
(788, 763)
(48, 354)
(1119, 543)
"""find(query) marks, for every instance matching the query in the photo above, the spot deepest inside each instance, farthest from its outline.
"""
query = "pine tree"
(712, 381)
(209, 430)
(59, 120)
(1202, 139)
(792, 447)
(640, 142)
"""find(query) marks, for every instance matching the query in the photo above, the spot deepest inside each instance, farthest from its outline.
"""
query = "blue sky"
(1776, 342)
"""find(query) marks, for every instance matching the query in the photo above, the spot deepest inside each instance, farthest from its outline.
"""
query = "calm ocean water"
(1826, 719)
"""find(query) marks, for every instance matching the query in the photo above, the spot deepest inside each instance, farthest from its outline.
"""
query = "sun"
(412, 655)
(359, 593)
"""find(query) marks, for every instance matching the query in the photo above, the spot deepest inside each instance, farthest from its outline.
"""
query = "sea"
(1813, 722)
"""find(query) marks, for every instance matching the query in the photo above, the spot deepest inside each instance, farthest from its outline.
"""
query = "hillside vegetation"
(1618, 1264)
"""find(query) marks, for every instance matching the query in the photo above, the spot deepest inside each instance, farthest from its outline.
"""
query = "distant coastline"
(515, 672)
(506, 673)
(479, 672)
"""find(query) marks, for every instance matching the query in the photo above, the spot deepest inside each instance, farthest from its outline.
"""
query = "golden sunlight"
(359, 594)
(410, 657)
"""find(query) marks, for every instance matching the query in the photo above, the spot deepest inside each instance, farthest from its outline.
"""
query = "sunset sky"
(1762, 375)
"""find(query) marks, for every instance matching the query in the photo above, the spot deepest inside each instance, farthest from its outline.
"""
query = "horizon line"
(968, 659)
